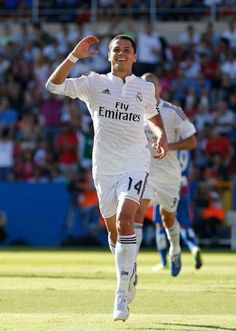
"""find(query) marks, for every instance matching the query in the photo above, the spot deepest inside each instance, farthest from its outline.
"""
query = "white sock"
(138, 228)
(173, 234)
(125, 255)
(112, 246)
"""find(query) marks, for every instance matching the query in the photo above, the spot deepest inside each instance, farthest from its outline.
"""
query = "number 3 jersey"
(118, 111)
(177, 126)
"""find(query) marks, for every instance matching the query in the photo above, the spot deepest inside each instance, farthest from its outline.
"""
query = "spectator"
(224, 120)
(189, 37)
(212, 217)
(218, 144)
(228, 66)
(6, 156)
(230, 33)
(149, 50)
(66, 145)
(8, 116)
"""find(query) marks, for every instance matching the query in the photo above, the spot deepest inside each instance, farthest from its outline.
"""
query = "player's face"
(121, 55)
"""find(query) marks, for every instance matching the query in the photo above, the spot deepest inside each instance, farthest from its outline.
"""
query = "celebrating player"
(118, 103)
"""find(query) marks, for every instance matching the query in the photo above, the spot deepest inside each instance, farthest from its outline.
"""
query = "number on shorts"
(137, 186)
(174, 202)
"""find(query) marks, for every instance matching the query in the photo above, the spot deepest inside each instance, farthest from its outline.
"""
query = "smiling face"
(122, 55)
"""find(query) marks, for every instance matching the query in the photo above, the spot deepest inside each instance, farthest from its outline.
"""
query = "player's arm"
(80, 51)
(185, 144)
(157, 126)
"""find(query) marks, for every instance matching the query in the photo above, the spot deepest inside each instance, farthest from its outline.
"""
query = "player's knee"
(124, 226)
(112, 236)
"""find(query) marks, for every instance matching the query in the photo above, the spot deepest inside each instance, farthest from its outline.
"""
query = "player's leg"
(112, 233)
(168, 196)
(173, 234)
(106, 187)
(138, 222)
(125, 254)
(130, 189)
(138, 227)
(186, 230)
(161, 240)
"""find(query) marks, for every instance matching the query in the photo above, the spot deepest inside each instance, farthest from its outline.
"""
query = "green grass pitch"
(62, 290)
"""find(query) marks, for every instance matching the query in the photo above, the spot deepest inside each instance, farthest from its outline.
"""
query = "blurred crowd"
(85, 10)
(44, 137)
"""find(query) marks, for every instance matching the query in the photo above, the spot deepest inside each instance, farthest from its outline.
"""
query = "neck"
(121, 74)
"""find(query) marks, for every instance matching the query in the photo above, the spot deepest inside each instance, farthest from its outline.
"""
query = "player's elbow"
(53, 88)
(47, 85)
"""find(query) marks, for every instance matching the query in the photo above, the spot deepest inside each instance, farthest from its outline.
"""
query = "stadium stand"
(195, 62)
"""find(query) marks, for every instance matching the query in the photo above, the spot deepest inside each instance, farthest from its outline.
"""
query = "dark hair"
(126, 37)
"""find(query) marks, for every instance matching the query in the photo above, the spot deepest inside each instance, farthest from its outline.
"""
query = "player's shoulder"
(172, 108)
(144, 84)
(95, 77)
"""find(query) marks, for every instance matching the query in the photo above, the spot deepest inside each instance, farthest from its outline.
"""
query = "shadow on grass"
(206, 327)
(49, 276)
(186, 327)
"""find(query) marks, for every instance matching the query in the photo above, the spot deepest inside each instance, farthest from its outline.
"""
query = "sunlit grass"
(74, 290)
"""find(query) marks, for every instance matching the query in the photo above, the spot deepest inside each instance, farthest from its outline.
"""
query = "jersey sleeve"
(187, 129)
(182, 123)
(80, 87)
(151, 108)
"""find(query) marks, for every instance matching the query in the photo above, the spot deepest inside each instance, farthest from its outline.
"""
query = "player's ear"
(108, 56)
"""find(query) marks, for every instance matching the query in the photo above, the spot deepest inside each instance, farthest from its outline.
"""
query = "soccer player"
(183, 215)
(118, 103)
(163, 184)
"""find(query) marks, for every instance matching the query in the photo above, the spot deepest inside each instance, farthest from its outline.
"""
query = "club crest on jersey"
(106, 91)
(139, 96)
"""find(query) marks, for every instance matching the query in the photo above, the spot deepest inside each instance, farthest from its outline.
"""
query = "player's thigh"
(167, 196)
(132, 186)
(130, 190)
(107, 196)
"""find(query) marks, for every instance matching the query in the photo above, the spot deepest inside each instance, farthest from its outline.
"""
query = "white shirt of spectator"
(118, 111)
(147, 44)
(231, 36)
(6, 153)
(228, 67)
(177, 126)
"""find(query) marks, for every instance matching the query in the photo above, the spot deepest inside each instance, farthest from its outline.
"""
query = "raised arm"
(80, 51)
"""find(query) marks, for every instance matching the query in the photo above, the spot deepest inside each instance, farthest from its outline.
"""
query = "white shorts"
(166, 195)
(111, 189)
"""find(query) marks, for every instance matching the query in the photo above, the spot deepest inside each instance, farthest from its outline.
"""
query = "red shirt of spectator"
(217, 144)
(66, 145)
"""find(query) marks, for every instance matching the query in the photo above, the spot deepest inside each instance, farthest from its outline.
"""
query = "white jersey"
(177, 126)
(118, 111)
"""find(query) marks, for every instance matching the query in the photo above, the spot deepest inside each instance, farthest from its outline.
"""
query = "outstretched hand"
(81, 50)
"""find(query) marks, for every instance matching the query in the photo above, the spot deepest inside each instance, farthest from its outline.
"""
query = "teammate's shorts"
(111, 189)
(166, 195)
